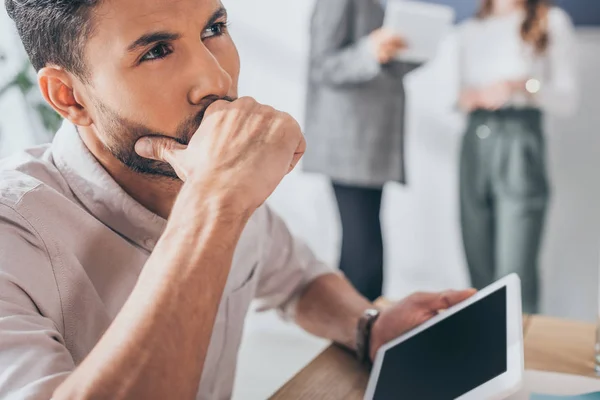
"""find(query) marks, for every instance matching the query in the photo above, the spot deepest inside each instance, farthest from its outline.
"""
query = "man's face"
(155, 66)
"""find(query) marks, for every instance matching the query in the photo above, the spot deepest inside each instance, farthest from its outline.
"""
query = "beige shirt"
(72, 245)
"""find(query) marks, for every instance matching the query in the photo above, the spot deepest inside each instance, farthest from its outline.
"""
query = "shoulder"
(22, 248)
(467, 26)
(30, 187)
(26, 267)
(559, 20)
(16, 185)
(26, 172)
(469, 23)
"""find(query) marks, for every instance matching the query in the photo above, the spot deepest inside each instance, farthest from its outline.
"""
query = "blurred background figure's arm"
(559, 92)
(335, 59)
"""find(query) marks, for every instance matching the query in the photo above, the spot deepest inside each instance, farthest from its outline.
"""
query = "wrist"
(470, 99)
(516, 86)
(528, 86)
(200, 208)
(216, 197)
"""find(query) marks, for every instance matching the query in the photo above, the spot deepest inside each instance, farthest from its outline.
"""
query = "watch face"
(372, 312)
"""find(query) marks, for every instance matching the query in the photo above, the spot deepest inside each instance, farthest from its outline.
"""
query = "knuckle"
(287, 117)
(164, 148)
(219, 104)
(289, 120)
(267, 110)
(247, 101)
(160, 150)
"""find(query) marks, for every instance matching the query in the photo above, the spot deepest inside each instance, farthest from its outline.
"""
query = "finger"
(159, 148)
(450, 298)
(401, 46)
(444, 300)
(298, 154)
(392, 50)
(295, 161)
(394, 41)
(387, 55)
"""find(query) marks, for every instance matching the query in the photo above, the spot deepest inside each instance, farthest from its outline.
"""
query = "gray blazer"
(355, 107)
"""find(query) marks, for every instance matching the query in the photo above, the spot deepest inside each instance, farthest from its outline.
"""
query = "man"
(131, 247)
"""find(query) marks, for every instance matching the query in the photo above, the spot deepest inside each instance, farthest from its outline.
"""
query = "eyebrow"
(163, 36)
(150, 38)
(220, 13)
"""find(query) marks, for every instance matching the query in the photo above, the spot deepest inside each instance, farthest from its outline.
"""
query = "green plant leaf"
(50, 118)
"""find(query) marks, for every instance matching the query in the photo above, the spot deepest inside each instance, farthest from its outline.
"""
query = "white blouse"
(492, 50)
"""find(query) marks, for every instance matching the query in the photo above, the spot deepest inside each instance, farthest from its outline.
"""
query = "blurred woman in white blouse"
(516, 64)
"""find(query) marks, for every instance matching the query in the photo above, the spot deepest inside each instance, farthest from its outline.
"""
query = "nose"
(208, 77)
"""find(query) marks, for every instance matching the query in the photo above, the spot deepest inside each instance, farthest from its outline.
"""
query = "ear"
(57, 86)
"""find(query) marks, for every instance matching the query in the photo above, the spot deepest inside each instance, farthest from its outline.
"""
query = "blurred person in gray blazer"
(355, 124)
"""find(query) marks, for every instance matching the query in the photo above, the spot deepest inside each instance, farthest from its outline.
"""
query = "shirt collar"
(100, 195)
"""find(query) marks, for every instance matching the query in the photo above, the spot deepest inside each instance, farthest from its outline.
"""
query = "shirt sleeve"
(559, 89)
(33, 357)
(334, 59)
(288, 266)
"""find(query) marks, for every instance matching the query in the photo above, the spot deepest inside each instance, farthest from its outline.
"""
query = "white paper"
(556, 384)
(421, 25)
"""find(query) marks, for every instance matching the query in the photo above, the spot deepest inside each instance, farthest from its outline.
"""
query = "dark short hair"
(54, 32)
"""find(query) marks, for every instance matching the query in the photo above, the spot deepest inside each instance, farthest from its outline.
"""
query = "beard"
(122, 134)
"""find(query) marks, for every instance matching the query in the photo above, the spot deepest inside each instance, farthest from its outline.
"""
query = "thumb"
(449, 298)
(159, 148)
(300, 150)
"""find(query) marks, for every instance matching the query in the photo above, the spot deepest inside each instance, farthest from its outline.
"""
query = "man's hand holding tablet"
(471, 351)
(412, 312)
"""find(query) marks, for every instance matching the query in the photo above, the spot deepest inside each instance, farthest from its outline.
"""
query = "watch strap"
(363, 334)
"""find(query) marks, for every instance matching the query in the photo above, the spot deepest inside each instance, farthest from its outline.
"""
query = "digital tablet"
(472, 351)
(422, 25)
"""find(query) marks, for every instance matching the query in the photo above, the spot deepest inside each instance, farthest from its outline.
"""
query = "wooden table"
(550, 345)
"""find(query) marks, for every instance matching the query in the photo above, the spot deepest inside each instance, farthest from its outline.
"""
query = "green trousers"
(503, 197)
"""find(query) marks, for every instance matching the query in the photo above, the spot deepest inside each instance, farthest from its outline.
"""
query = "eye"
(217, 29)
(157, 52)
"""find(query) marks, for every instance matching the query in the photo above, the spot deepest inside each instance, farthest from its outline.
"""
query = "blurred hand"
(242, 150)
(469, 100)
(495, 96)
(410, 313)
(491, 97)
(386, 44)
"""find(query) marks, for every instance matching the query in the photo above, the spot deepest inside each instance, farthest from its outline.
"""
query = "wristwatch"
(363, 334)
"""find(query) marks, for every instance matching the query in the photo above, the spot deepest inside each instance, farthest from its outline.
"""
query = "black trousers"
(362, 245)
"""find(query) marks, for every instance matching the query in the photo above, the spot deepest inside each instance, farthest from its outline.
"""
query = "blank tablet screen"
(450, 358)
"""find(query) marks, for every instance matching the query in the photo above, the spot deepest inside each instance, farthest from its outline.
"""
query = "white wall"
(421, 220)
(20, 126)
